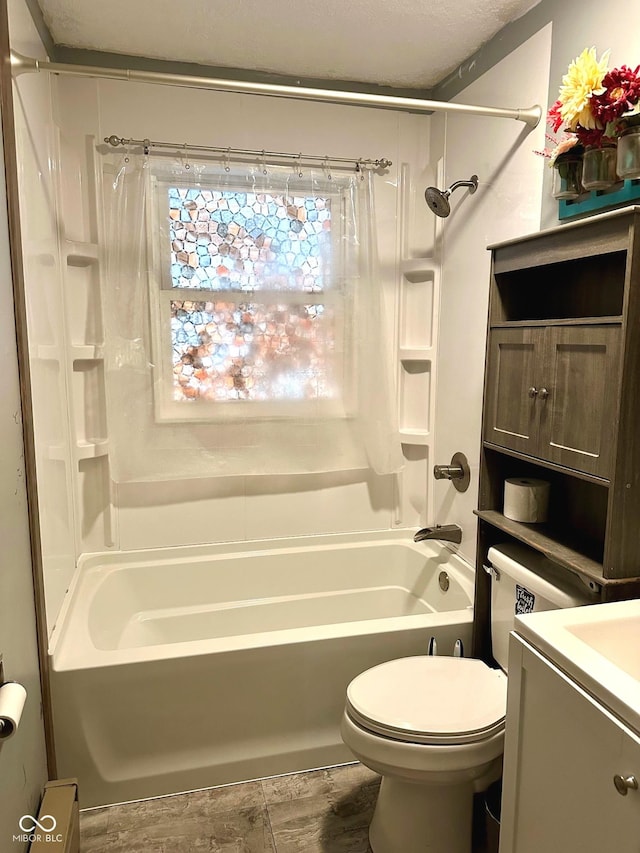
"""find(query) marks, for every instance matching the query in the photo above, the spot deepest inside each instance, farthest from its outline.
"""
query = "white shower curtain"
(315, 394)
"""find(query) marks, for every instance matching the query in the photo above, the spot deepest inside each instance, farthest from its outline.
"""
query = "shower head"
(438, 200)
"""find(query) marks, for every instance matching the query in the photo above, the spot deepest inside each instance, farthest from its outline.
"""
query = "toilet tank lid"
(540, 575)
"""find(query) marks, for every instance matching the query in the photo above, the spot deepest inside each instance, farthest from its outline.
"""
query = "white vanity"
(572, 744)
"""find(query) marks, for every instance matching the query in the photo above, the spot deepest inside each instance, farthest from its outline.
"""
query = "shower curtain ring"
(299, 165)
(264, 163)
(186, 163)
(227, 160)
(327, 167)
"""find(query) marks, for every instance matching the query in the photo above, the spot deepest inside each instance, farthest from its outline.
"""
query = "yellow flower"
(583, 79)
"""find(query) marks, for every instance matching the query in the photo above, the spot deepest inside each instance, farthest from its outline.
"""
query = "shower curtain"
(243, 318)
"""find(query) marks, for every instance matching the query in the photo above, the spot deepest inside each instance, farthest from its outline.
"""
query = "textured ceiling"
(407, 43)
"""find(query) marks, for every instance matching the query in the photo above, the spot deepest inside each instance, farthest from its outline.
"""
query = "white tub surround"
(178, 669)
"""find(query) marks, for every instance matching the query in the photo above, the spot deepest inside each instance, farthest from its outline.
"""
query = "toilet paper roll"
(526, 499)
(12, 699)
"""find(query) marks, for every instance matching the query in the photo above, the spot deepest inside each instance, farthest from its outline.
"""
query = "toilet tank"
(525, 581)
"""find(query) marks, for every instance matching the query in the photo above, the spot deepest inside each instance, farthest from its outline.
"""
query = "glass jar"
(599, 168)
(567, 174)
(629, 153)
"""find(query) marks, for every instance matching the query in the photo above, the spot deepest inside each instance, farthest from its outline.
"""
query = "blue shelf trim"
(599, 200)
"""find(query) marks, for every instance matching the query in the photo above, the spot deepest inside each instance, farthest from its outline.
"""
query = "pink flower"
(566, 145)
(563, 147)
(554, 119)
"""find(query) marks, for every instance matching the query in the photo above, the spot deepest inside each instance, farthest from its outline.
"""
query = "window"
(248, 304)
(244, 322)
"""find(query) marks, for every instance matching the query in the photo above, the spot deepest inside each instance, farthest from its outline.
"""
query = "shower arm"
(21, 64)
(473, 185)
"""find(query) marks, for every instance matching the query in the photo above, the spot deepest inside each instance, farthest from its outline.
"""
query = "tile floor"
(321, 811)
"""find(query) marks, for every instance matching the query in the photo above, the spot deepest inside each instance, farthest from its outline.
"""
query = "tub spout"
(443, 532)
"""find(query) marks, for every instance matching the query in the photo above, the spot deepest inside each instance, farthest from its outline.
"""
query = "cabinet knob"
(543, 393)
(625, 783)
(532, 391)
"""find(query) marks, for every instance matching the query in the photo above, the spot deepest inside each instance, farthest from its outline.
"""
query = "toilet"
(433, 726)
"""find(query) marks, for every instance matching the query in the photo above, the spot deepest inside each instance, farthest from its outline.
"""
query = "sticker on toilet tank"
(525, 600)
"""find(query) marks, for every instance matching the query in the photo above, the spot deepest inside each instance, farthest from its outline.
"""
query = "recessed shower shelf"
(87, 352)
(92, 449)
(57, 452)
(80, 254)
(415, 436)
(418, 269)
(48, 352)
(416, 353)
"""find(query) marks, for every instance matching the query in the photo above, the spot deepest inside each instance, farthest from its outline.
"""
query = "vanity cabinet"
(562, 751)
(562, 401)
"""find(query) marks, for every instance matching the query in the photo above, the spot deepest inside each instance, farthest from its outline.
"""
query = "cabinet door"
(577, 418)
(559, 793)
(514, 367)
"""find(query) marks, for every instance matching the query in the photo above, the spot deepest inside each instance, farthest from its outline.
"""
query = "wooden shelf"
(623, 193)
(537, 536)
(615, 320)
(544, 463)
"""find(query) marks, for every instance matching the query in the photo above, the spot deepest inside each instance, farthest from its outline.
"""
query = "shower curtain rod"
(21, 64)
(147, 144)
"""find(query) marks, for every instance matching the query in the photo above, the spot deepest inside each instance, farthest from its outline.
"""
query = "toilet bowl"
(433, 727)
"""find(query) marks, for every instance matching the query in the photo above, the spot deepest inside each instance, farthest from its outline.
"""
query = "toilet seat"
(430, 700)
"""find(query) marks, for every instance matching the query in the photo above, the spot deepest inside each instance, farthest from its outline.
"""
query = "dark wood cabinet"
(562, 401)
(581, 370)
(551, 392)
(515, 371)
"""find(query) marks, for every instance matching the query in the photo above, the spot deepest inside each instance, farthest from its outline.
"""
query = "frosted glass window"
(248, 300)
(225, 240)
(250, 351)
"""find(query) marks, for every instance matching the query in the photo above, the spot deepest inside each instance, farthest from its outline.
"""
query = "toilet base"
(415, 818)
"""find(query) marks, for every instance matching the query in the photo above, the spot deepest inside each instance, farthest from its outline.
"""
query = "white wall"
(506, 204)
(23, 769)
(22, 758)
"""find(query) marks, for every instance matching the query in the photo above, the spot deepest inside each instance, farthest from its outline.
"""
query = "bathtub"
(177, 669)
